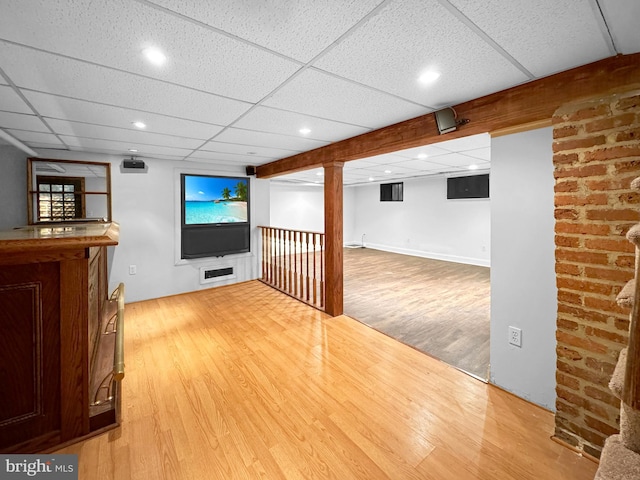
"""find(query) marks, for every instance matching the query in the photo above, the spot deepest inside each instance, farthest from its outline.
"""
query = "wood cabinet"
(53, 301)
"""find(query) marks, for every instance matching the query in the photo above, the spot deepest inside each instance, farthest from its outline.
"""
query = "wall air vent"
(216, 274)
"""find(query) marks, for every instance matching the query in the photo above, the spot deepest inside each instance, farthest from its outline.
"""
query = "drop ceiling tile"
(472, 142)
(265, 139)
(228, 157)
(322, 95)
(62, 76)
(359, 164)
(455, 160)
(423, 165)
(130, 136)
(10, 101)
(289, 123)
(392, 49)
(480, 153)
(221, 147)
(22, 122)
(622, 19)
(90, 144)
(419, 152)
(36, 137)
(115, 32)
(299, 30)
(80, 111)
(545, 36)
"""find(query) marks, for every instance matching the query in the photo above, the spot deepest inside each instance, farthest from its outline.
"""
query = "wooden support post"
(334, 238)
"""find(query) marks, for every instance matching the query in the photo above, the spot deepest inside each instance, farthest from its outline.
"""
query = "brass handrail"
(118, 354)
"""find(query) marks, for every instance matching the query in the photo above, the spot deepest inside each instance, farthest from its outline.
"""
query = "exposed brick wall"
(596, 156)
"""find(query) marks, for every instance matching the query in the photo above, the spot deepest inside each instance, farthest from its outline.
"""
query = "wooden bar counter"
(53, 299)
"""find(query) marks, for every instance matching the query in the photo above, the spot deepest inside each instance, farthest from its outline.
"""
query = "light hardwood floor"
(244, 382)
(440, 308)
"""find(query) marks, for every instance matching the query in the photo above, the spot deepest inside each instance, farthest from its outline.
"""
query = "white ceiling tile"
(480, 153)
(622, 19)
(90, 144)
(471, 142)
(322, 95)
(289, 123)
(455, 160)
(36, 137)
(266, 152)
(235, 158)
(286, 142)
(115, 32)
(393, 48)
(359, 164)
(130, 136)
(545, 36)
(21, 121)
(57, 75)
(10, 101)
(422, 165)
(299, 30)
(80, 111)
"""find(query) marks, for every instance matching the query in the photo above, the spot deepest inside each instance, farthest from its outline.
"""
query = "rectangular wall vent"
(215, 274)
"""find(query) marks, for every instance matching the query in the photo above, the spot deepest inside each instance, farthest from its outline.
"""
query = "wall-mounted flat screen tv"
(473, 186)
(215, 215)
(212, 199)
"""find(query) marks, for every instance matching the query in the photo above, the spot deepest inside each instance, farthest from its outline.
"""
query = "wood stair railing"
(293, 262)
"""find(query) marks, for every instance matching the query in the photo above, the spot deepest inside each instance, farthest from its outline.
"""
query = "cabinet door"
(29, 355)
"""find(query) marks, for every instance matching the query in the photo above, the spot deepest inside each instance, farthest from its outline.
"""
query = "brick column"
(596, 155)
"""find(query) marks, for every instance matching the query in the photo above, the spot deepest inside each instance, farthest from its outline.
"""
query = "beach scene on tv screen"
(215, 200)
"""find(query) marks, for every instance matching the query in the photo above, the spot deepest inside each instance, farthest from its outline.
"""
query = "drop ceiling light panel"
(545, 36)
(266, 139)
(115, 32)
(80, 111)
(289, 123)
(622, 18)
(326, 96)
(57, 75)
(299, 30)
(393, 48)
(22, 122)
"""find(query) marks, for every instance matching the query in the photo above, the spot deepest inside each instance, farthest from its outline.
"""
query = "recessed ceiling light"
(371, 179)
(320, 174)
(473, 167)
(305, 131)
(139, 125)
(133, 150)
(422, 155)
(155, 56)
(387, 171)
(428, 77)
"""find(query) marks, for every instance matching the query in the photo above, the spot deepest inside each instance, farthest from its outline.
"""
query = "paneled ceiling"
(246, 82)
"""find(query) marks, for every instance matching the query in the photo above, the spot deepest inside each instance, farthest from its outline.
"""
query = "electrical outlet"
(132, 270)
(515, 336)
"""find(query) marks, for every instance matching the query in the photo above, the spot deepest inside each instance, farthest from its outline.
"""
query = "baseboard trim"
(432, 255)
(575, 449)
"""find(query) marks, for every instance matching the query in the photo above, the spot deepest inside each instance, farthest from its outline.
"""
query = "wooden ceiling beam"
(531, 102)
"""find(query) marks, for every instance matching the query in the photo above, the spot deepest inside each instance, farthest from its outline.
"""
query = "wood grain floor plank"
(243, 382)
(440, 308)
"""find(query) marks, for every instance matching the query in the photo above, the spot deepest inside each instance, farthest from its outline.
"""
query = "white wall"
(146, 206)
(13, 187)
(301, 207)
(523, 283)
(425, 223)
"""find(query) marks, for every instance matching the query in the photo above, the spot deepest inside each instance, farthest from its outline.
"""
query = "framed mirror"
(63, 191)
